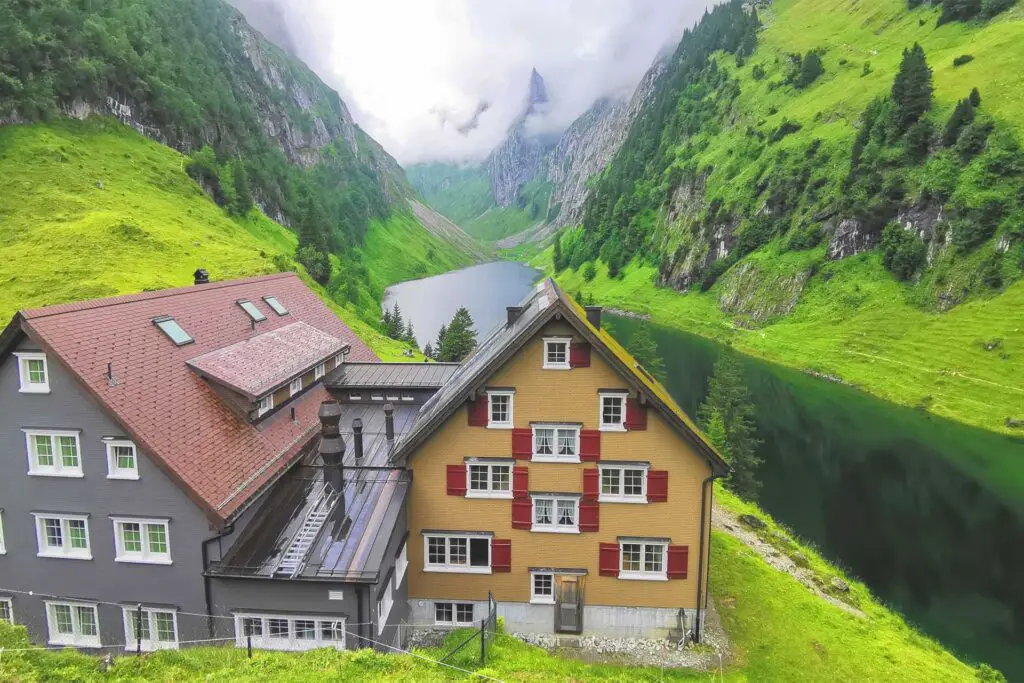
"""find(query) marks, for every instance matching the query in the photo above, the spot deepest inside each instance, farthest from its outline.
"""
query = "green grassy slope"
(779, 630)
(854, 320)
(92, 209)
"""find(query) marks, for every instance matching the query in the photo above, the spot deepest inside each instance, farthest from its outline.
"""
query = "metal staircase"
(294, 558)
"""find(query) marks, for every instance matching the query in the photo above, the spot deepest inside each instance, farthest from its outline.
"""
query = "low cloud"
(442, 80)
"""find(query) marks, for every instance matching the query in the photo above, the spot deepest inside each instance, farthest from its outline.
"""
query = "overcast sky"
(413, 72)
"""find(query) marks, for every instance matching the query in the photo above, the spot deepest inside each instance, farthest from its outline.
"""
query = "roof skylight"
(250, 308)
(276, 305)
(173, 330)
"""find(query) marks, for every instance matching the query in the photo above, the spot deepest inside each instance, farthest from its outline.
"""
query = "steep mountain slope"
(770, 175)
(192, 74)
(92, 209)
(531, 185)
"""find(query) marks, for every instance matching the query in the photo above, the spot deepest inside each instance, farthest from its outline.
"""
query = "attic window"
(250, 308)
(173, 330)
(276, 305)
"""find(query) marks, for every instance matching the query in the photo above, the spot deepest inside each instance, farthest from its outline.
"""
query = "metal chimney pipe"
(513, 313)
(357, 438)
(332, 446)
(593, 315)
(389, 422)
(201, 277)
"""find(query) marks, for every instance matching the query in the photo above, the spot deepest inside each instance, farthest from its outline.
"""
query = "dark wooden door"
(569, 604)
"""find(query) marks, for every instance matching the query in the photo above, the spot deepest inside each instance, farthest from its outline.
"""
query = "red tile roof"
(175, 416)
(267, 360)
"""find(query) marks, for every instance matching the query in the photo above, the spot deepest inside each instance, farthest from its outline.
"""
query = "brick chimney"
(593, 315)
(513, 314)
(332, 446)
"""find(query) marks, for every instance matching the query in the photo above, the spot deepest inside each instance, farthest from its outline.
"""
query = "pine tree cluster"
(397, 327)
(455, 341)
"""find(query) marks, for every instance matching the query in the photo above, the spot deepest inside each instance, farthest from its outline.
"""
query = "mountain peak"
(538, 93)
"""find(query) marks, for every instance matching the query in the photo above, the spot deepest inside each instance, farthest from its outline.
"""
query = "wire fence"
(484, 636)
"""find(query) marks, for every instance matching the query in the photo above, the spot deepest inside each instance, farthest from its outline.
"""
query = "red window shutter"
(657, 486)
(501, 555)
(678, 561)
(522, 443)
(590, 484)
(609, 559)
(522, 513)
(456, 480)
(520, 482)
(636, 415)
(579, 355)
(589, 515)
(590, 445)
(478, 412)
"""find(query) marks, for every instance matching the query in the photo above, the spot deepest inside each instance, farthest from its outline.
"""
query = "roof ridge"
(116, 300)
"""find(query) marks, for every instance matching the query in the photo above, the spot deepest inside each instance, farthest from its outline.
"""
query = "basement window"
(250, 308)
(173, 330)
(276, 305)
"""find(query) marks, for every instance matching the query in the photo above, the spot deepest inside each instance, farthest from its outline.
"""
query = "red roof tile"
(175, 416)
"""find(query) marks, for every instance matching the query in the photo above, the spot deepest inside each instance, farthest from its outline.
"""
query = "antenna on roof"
(252, 325)
(110, 375)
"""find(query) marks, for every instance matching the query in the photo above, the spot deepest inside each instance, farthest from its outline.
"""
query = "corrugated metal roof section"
(351, 543)
(268, 360)
(403, 375)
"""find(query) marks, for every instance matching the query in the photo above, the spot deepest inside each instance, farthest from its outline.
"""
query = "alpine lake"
(882, 490)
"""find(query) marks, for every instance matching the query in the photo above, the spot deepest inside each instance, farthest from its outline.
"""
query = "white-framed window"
(33, 375)
(556, 353)
(7, 610)
(145, 541)
(407, 396)
(642, 559)
(556, 443)
(339, 359)
(318, 372)
(295, 386)
(612, 416)
(63, 536)
(265, 405)
(499, 409)
(73, 623)
(488, 479)
(53, 453)
(122, 459)
(401, 564)
(376, 396)
(158, 627)
(281, 632)
(384, 609)
(3, 546)
(542, 588)
(623, 483)
(453, 613)
(355, 396)
(553, 513)
(393, 397)
(458, 553)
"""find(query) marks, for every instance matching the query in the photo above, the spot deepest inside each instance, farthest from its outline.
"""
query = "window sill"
(66, 475)
(92, 642)
(569, 460)
(132, 560)
(499, 495)
(491, 425)
(633, 500)
(612, 428)
(640, 576)
(542, 601)
(458, 570)
(55, 556)
(151, 647)
(41, 390)
(557, 367)
(124, 477)
(543, 530)
(448, 624)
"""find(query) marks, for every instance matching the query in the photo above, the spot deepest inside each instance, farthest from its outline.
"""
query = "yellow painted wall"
(556, 396)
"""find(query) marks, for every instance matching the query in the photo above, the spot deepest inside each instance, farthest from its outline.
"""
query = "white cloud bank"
(414, 71)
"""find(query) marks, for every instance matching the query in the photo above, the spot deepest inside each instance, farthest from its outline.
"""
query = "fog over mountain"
(443, 79)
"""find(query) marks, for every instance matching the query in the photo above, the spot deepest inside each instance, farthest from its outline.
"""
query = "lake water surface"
(877, 487)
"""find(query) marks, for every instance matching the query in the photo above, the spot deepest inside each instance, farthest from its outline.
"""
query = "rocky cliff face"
(518, 160)
(590, 143)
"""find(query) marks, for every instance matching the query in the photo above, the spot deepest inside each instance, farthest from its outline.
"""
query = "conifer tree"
(409, 334)
(428, 351)
(727, 414)
(645, 349)
(912, 88)
(439, 344)
(385, 322)
(460, 338)
(397, 329)
(975, 98)
(243, 195)
(962, 116)
(810, 69)
(556, 257)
